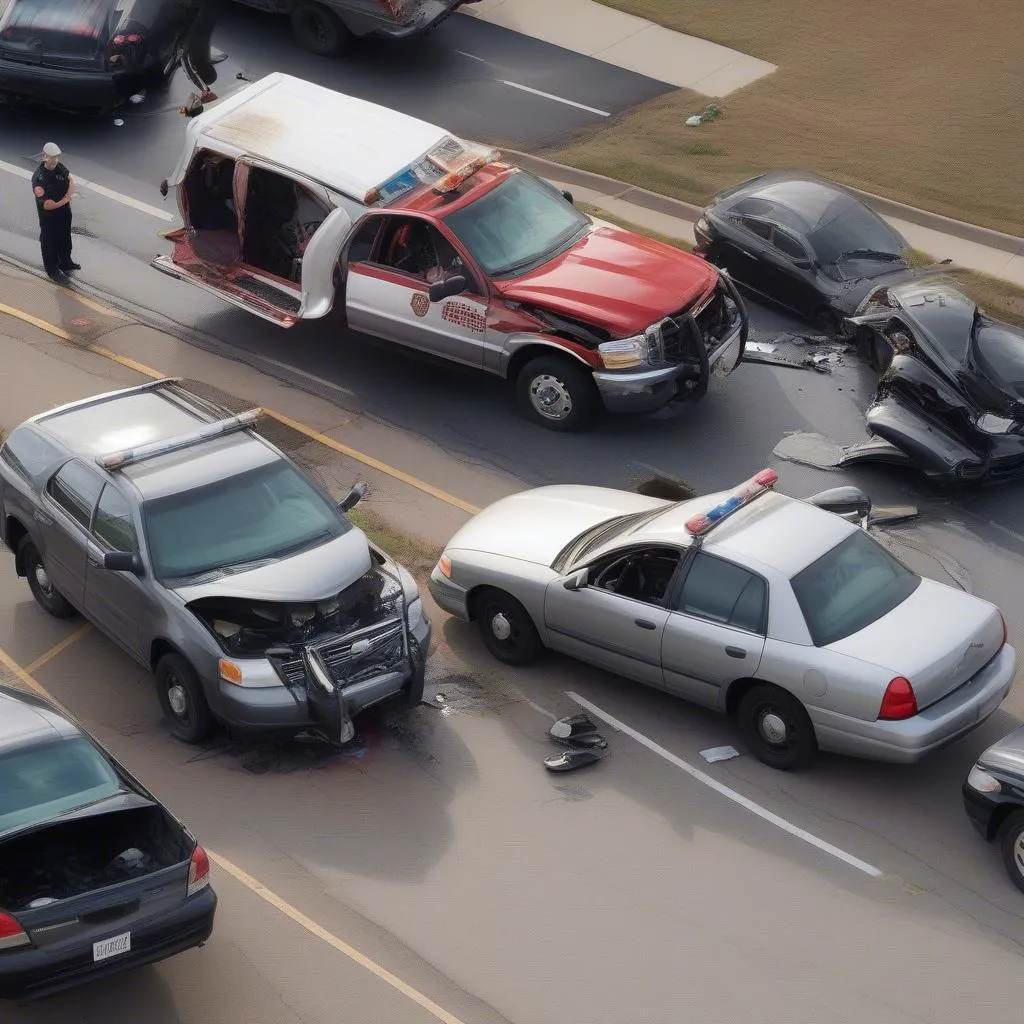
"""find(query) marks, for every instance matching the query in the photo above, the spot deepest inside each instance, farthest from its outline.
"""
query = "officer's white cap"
(51, 149)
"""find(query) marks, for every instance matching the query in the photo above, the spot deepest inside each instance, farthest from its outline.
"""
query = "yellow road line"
(256, 887)
(253, 885)
(313, 435)
(56, 649)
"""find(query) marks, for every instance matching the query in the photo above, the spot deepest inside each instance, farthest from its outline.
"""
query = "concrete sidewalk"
(967, 245)
(628, 42)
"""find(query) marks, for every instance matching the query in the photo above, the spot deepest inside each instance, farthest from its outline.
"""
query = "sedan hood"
(313, 575)
(1007, 753)
(616, 280)
(938, 638)
(534, 526)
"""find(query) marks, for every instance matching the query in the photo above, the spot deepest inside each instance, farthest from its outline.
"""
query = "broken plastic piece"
(592, 741)
(118, 122)
(713, 754)
(572, 759)
(137, 97)
(572, 727)
(694, 121)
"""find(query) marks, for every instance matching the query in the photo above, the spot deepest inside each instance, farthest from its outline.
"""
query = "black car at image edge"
(994, 800)
(90, 54)
(96, 876)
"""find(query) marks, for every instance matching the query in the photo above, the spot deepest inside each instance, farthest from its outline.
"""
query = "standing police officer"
(54, 188)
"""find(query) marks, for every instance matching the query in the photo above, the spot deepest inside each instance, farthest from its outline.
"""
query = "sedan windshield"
(39, 783)
(519, 225)
(1000, 350)
(261, 515)
(851, 586)
(854, 232)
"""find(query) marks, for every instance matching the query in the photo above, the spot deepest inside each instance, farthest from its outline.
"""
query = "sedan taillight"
(126, 51)
(899, 701)
(12, 935)
(198, 872)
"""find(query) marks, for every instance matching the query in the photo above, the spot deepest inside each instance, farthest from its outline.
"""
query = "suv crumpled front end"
(317, 664)
(680, 353)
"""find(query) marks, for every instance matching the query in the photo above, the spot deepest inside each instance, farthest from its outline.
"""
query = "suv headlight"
(415, 614)
(618, 355)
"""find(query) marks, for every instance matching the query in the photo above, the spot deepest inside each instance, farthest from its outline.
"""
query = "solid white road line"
(471, 56)
(557, 99)
(108, 193)
(729, 794)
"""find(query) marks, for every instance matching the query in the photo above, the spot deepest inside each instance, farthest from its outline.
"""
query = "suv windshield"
(518, 225)
(42, 782)
(851, 586)
(264, 514)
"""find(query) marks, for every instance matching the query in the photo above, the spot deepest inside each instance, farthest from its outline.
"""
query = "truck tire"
(319, 29)
(182, 698)
(47, 596)
(557, 393)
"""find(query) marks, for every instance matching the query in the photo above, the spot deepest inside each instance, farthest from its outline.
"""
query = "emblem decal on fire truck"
(463, 315)
(420, 303)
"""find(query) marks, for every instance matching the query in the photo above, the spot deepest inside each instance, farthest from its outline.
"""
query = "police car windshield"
(519, 225)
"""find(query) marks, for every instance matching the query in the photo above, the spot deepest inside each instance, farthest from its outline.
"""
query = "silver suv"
(206, 554)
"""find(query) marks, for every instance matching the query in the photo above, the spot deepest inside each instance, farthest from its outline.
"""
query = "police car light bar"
(118, 460)
(757, 485)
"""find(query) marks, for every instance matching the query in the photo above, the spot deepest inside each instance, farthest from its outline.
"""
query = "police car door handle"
(735, 652)
(645, 624)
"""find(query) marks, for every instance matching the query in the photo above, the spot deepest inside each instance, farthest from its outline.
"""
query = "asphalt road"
(437, 845)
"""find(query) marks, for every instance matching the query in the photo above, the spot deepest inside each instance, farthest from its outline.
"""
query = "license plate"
(111, 947)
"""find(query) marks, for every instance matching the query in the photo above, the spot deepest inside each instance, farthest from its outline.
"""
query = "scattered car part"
(572, 727)
(715, 754)
(780, 611)
(573, 758)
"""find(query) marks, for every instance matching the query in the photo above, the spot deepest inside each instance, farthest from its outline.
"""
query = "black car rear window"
(1000, 351)
(41, 782)
(851, 586)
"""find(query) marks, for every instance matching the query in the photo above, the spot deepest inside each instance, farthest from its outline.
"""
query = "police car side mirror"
(440, 290)
(578, 580)
(848, 502)
(353, 497)
(567, 196)
(123, 561)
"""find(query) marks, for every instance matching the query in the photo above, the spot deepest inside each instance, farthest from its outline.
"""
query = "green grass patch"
(416, 554)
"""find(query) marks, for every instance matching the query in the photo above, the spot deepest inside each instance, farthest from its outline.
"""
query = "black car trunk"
(89, 853)
(75, 30)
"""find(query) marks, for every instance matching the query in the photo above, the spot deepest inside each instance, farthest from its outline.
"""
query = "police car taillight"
(757, 485)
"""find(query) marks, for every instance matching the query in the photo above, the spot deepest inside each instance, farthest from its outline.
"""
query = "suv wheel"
(506, 628)
(319, 29)
(47, 596)
(557, 393)
(776, 728)
(182, 698)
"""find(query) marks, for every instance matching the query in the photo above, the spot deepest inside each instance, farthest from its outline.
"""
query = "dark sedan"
(803, 243)
(96, 876)
(994, 800)
(90, 54)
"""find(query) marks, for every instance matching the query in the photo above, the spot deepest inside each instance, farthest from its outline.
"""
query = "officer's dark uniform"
(54, 225)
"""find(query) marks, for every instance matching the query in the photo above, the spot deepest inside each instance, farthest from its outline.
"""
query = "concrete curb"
(688, 211)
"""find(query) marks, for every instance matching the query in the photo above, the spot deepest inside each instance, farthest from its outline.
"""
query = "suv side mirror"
(353, 497)
(578, 580)
(123, 561)
(568, 198)
(454, 285)
(848, 502)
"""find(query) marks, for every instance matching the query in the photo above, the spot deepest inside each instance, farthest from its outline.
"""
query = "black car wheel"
(776, 728)
(47, 596)
(319, 29)
(182, 698)
(557, 393)
(507, 630)
(1011, 839)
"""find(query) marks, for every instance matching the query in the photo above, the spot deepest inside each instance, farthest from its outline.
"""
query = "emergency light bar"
(127, 456)
(698, 526)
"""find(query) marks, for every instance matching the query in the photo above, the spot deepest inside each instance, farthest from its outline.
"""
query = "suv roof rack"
(171, 383)
(128, 456)
(761, 483)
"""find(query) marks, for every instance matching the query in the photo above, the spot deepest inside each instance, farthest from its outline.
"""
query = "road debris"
(714, 754)
(569, 760)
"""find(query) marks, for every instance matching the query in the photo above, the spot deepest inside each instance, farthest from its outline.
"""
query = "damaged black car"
(950, 397)
(92, 55)
(802, 243)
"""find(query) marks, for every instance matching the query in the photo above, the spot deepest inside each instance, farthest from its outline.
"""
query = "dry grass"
(600, 214)
(414, 553)
(920, 102)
